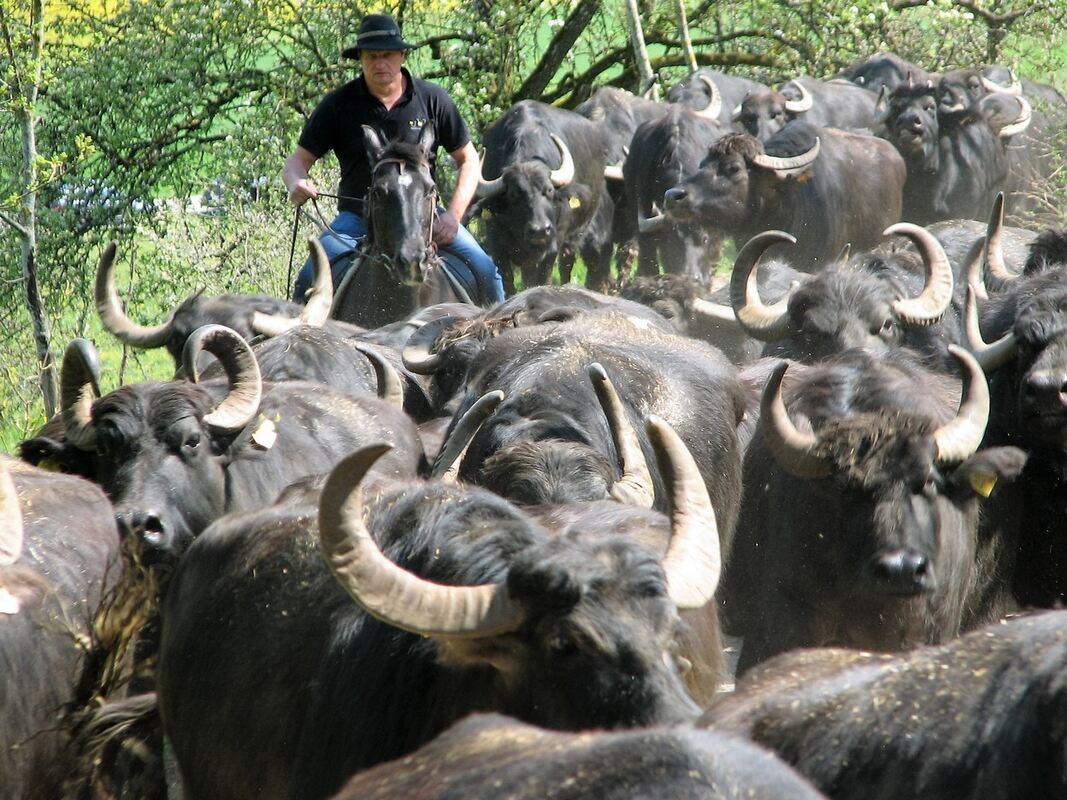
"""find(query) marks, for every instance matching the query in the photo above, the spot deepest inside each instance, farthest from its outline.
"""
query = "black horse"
(398, 269)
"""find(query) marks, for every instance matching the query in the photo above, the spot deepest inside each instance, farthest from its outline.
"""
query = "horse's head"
(401, 203)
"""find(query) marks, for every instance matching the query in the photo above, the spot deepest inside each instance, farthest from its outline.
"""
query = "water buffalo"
(713, 94)
(488, 756)
(826, 187)
(859, 522)
(978, 717)
(832, 104)
(886, 70)
(543, 195)
(462, 603)
(59, 556)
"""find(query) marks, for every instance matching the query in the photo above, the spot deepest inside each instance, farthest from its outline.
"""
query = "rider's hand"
(445, 229)
(302, 191)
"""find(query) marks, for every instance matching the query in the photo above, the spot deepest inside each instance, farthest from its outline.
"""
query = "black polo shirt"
(336, 122)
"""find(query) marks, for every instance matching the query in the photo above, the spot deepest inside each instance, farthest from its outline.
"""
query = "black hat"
(377, 32)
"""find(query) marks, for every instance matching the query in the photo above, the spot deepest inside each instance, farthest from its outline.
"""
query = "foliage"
(147, 103)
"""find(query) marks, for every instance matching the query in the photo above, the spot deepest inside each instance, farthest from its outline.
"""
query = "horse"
(398, 269)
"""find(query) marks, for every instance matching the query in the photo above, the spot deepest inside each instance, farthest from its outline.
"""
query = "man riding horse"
(396, 105)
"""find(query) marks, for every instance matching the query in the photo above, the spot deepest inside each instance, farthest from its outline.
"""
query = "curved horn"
(613, 172)
(564, 173)
(845, 253)
(487, 189)
(973, 262)
(714, 312)
(995, 242)
(446, 465)
(763, 322)
(79, 384)
(990, 356)
(11, 531)
(320, 298)
(417, 355)
(241, 403)
(792, 449)
(931, 305)
(387, 591)
(635, 486)
(649, 224)
(882, 103)
(1021, 123)
(803, 104)
(735, 115)
(109, 307)
(991, 86)
(714, 107)
(390, 385)
(693, 562)
(791, 164)
(959, 439)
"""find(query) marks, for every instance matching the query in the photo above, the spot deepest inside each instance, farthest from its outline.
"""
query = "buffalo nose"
(902, 571)
(911, 121)
(146, 524)
(540, 231)
(1045, 391)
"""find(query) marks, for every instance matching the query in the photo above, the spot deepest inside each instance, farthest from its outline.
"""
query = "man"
(386, 97)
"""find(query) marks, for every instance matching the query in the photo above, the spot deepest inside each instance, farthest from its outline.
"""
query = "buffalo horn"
(241, 403)
(109, 307)
(389, 592)
(931, 305)
(613, 172)
(693, 561)
(714, 312)
(446, 465)
(990, 356)
(803, 104)
(959, 439)
(1021, 123)
(714, 107)
(973, 267)
(390, 386)
(320, 298)
(635, 486)
(763, 322)
(649, 224)
(995, 242)
(11, 532)
(793, 449)
(564, 173)
(790, 164)
(79, 383)
(486, 188)
(1015, 87)
(417, 355)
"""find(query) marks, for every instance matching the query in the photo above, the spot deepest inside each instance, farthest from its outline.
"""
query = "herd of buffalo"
(802, 536)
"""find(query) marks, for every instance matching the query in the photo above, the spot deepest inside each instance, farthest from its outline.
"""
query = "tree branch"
(557, 50)
(14, 223)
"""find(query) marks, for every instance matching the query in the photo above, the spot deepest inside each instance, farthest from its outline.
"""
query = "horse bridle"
(429, 249)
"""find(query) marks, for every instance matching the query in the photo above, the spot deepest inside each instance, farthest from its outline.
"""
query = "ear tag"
(983, 483)
(574, 202)
(9, 604)
(266, 434)
(50, 464)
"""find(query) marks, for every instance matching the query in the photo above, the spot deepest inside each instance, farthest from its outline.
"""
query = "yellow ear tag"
(9, 604)
(574, 202)
(983, 483)
(50, 464)
(266, 434)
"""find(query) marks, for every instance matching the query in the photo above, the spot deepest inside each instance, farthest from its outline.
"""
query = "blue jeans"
(350, 229)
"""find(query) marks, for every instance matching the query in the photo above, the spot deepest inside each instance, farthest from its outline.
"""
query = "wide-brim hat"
(377, 32)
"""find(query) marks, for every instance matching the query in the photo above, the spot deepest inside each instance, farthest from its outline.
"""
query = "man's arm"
(466, 159)
(295, 176)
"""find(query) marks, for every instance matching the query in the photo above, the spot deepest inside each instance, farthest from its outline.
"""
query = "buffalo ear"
(374, 144)
(980, 473)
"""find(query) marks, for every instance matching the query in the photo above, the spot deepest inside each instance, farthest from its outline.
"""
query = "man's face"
(381, 67)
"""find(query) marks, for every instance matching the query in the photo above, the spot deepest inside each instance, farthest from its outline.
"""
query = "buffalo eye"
(562, 645)
(192, 440)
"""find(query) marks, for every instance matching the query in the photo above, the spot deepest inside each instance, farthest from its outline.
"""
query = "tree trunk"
(683, 33)
(534, 85)
(28, 85)
(637, 40)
